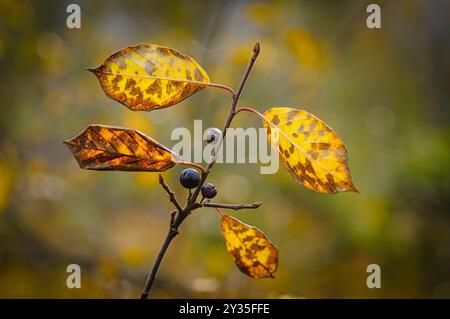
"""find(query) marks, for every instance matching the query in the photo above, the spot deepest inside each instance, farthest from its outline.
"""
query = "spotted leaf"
(107, 148)
(253, 253)
(146, 77)
(309, 149)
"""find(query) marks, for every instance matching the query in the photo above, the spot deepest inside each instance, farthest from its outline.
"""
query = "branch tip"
(256, 49)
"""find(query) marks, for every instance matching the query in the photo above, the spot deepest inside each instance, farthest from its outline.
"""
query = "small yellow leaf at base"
(253, 253)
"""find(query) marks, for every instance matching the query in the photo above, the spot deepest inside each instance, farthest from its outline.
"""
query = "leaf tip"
(350, 188)
(93, 70)
(354, 189)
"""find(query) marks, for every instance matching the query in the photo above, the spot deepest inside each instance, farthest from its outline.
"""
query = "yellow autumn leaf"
(146, 77)
(309, 149)
(108, 148)
(253, 253)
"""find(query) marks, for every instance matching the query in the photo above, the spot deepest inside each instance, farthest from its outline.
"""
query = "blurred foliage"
(384, 91)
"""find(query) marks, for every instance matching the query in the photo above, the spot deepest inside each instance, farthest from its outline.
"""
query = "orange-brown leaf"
(253, 253)
(108, 148)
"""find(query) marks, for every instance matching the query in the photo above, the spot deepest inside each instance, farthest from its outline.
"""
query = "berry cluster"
(190, 178)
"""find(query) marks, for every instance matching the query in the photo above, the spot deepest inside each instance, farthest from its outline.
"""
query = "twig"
(170, 193)
(177, 219)
(232, 206)
(151, 278)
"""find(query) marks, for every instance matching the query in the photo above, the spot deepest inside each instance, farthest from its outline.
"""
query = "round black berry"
(189, 178)
(209, 190)
(213, 135)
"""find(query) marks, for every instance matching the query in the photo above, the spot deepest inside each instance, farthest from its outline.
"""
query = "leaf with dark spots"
(253, 253)
(142, 77)
(108, 148)
(309, 149)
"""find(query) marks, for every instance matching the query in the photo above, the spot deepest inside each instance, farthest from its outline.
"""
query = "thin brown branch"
(171, 194)
(177, 219)
(152, 276)
(232, 206)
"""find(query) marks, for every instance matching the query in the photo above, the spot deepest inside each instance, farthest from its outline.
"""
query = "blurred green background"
(384, 91)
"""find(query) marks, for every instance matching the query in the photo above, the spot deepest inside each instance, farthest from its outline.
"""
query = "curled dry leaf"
(108, 148)
(309, 149)
(147, 77)
(253, 253)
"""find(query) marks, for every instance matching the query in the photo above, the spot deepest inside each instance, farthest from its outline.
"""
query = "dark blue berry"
(209, 190)
(189, 178)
